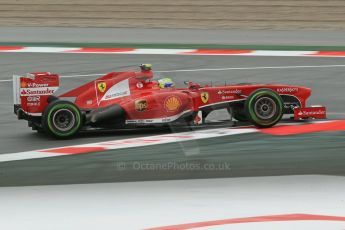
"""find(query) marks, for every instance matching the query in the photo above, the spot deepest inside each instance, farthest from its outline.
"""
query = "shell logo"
(172, 104)
(24, 84)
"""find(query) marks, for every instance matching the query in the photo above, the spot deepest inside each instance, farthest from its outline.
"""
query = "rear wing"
(31, 93)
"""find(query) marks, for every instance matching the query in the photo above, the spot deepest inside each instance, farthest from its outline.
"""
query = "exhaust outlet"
(114, 112)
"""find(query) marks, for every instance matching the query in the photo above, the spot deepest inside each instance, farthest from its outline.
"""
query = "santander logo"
(37, 91)
(309, 113)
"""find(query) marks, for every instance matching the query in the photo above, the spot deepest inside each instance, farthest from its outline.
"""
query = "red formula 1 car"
(134, 99)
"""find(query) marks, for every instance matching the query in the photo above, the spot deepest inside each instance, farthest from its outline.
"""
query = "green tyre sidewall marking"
(257, 95)
(77, 117)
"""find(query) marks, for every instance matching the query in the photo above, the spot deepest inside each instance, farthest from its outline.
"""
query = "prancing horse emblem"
(204, 97)
(102, 86)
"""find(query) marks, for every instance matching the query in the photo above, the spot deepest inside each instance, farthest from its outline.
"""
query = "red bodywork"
(315, 112)
(142, 101)
(32, 92)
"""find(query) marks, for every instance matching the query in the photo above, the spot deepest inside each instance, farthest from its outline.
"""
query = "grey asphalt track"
(248, 155)
(195, 36)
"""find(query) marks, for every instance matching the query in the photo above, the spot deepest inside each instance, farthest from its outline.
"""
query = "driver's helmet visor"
(165, 83)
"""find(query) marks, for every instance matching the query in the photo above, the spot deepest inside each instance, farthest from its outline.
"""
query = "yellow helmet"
(146, 67)
(165, 83)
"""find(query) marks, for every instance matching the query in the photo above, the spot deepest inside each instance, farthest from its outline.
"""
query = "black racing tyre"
(239, 114)
(264, 108)
(61, 119)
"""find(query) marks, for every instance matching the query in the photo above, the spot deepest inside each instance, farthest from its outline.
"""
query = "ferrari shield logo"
(102, 86)
(204, 97)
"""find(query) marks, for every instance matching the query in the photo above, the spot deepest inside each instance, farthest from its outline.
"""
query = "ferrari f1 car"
(135, 99)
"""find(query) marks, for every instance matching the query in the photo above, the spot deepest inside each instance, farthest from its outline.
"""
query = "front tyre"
(62, 119)
(264, 108)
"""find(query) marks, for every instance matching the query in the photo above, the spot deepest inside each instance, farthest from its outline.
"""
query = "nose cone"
(305, 91)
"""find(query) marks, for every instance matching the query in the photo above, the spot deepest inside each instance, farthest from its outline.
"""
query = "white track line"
(251, 68)
(7, 80)
(201, 70)
(28, 155)
(83, 75)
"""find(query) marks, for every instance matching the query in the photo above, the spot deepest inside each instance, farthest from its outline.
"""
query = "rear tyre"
(264, 108)
(61, 119)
